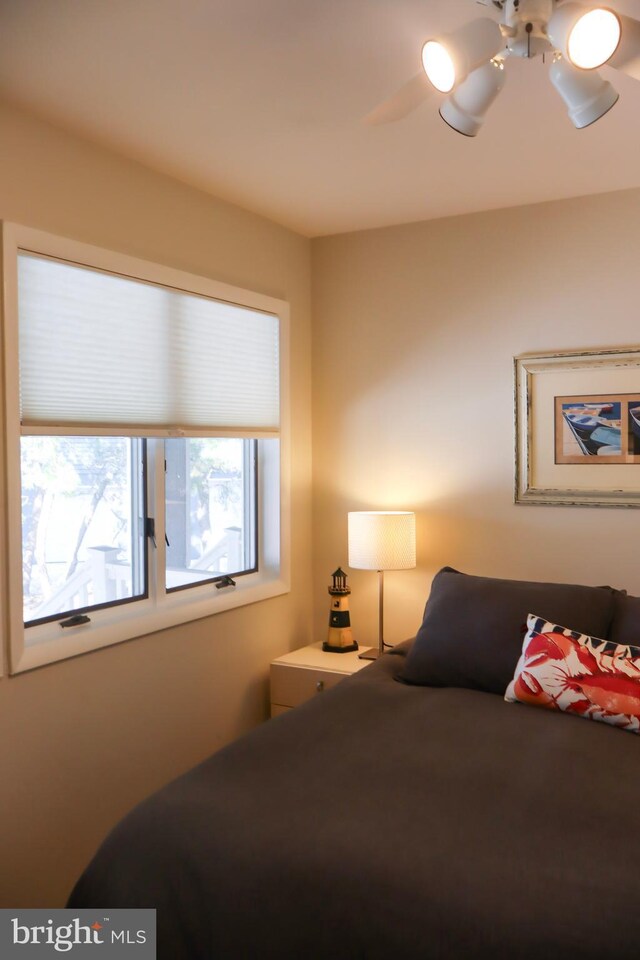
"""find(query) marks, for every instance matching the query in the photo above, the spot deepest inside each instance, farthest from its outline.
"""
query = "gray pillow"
(626, 621)
(473, 627)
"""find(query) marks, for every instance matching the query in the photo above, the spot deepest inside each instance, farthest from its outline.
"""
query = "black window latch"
(225, 582)
(75, 621)
(150, 531)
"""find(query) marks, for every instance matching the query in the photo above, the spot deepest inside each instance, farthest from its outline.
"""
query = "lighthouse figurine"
(340, 638)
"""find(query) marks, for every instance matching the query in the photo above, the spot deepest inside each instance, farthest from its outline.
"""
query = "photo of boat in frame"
(597, 429)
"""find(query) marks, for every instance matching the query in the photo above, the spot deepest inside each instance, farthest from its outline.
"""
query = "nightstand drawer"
(308, 671)
(291, 686)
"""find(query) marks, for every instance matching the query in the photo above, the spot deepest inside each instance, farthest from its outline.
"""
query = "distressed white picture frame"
(539, 379)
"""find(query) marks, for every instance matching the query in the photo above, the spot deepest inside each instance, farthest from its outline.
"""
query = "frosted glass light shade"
(465, 109)
(587, 38)
(449, 59)
(587, 96)
(382, 540)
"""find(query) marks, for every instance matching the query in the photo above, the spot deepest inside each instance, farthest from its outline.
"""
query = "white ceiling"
(261, 102)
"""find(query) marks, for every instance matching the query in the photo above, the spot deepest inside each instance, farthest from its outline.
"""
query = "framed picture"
(578, 428)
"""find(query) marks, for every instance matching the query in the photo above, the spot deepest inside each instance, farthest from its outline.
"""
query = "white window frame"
(46, 643)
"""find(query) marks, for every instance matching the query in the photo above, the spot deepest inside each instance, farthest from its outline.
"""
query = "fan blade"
(406, 99)
(627, 56)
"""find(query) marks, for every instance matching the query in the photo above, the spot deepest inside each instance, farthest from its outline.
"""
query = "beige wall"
(415, 328)
(82, 741)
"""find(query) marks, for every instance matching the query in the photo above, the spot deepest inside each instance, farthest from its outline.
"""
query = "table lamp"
(381, 540)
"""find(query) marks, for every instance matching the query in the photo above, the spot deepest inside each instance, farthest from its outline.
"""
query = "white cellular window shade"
(123, 356)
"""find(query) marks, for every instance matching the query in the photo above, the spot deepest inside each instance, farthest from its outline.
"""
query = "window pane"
(82, 527)
(210, 485)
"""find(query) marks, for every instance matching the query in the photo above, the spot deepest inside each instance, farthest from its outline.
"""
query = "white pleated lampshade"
(382, 540)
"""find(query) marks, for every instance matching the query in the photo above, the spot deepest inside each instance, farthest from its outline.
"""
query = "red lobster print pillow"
(564, 670)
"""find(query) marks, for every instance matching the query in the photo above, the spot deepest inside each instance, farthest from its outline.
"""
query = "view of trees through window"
(83, 518)
(82, 528)
(208, 508)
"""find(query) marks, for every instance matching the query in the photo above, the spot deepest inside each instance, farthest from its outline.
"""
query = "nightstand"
(300, 675)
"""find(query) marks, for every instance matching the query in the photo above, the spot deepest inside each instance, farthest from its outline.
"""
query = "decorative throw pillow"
(564, 670)
(473, 627)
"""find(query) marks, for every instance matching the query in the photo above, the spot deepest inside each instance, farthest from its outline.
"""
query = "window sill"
(44, 644)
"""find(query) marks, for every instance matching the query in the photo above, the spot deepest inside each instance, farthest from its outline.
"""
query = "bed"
(391, 818)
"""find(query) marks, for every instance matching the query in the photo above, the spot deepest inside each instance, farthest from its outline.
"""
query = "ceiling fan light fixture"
(448, 60)
(464, 111)
(587, 96)
(467, 65)
(587, 38)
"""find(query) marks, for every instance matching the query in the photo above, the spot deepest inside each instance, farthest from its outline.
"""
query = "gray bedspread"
(387, 821)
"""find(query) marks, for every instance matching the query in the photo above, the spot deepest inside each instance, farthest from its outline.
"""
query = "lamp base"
(371, 654)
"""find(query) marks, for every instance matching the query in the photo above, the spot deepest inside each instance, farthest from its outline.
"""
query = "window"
(210, 509)
(83, 533)
(147, 446)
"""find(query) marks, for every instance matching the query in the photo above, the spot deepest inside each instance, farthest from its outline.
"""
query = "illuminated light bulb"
(586, 38)
(594, 39)
(438, 66)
